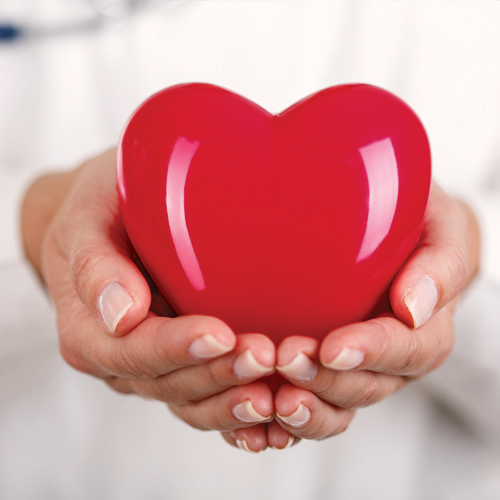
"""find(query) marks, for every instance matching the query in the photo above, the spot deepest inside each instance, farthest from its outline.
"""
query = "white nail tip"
(301, 368)
(289, 444)
(113, 303)
(245, 412)
(421, 300)
(245, 366)
(242, 445)
(298, 418)
(347, 359)
(207, 347)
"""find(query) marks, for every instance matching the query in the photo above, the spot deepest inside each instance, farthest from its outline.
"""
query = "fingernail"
(298, 418)
(347, 359)
(289, 444)
(207, 347)
(421, 300)
(113, 303)
(302, 368)
(247, 367)
(243, 445)
(246, 413)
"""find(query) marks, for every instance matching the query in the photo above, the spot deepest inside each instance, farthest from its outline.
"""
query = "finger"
(444, 261)
(251, 439)
(90, 234)
(236, 408)
(252, 358)
(155, 347)
(279, 438)
(306, 416)
(297, 359)
(386, 345)
(158, 346)
(297, 362)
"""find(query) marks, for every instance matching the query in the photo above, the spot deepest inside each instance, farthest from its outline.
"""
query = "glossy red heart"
(287, 224)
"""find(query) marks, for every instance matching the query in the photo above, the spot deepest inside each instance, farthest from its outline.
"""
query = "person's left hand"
(360, 364)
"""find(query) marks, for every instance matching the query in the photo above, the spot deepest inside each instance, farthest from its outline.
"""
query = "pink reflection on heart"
(383, 185)
(178, 167)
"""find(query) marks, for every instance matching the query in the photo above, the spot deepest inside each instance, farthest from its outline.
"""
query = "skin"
(75, 239)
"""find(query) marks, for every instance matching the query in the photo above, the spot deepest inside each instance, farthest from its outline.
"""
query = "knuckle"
(174, 389)
(210, 377)
(188, 414)
(343, 425)
(180, 386)
(456, 267)
(408, 348)
(73, 359)
(411, 359)
(411, 355)
(369, 393)
(342, 420)
(119, 385)
(169, 391)
(329, 387)
(83, 265)
(68, 348)
(444, 342)
(125, 363)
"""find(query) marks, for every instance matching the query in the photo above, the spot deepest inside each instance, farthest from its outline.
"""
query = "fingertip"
(414, 304)
(250, 440)
(113, 303)
(298, 418)
(121, 307)
(218, 331)
(252, 403)
(288, 398)
(247, 367)
(256, 356)
(293, 346)
(348, 347)
(347, 359)
(278, 438)
(296, 359)
(207, 347)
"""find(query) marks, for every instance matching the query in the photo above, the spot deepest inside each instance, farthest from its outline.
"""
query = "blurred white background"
(68, 83)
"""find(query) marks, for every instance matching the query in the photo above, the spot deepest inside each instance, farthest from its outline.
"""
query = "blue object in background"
(10, 32)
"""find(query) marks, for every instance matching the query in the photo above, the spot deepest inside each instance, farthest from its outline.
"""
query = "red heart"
(287, 224)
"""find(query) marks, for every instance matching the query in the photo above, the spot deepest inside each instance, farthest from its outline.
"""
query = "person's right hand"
(75, 238)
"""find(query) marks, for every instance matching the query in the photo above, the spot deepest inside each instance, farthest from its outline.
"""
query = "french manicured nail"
(347, 359)
(302, 368)
(113, 303)
(245, 366)
(289, 444)
(246, 413)
(207, 347)
(298, 418)
(243, 445)
(421, 300)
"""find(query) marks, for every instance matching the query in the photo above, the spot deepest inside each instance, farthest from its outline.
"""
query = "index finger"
(387, 345)
(157, 346)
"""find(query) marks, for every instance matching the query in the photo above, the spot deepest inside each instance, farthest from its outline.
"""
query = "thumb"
(444, 262)
(92, 238)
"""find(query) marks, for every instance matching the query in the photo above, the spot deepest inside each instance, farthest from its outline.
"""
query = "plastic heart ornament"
(287, 224)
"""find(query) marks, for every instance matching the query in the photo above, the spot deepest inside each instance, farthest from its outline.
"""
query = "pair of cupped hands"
(210, 377)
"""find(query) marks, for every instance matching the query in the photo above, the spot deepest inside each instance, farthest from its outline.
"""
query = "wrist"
(41, 203)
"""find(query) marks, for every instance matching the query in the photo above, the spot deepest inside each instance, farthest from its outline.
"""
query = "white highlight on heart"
(178, 167)
(383, 185)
